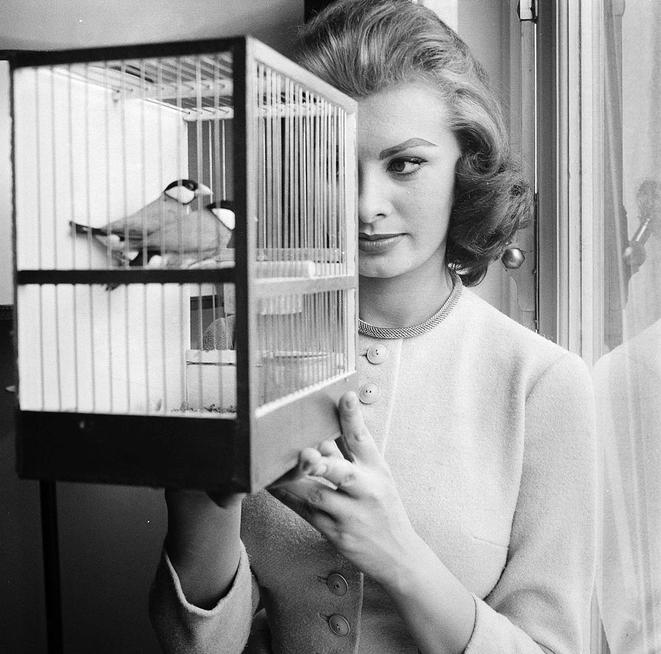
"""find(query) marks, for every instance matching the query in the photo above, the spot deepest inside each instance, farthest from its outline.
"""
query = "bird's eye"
(405, 165)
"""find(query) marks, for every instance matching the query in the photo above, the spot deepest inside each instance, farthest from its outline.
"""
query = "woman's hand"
(355, 504)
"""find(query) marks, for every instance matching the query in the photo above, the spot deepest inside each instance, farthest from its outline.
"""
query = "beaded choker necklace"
(416, 330)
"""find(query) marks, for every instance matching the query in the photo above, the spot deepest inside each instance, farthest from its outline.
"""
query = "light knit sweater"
(489, 431)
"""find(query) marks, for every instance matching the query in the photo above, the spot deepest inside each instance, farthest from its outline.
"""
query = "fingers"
(342, 473)
(310, 458)
(356, 435)
(323, 523)
(329, 462)
(308, 511)
(301, 469)
(328, 448)
(308, 497)
(311, 461)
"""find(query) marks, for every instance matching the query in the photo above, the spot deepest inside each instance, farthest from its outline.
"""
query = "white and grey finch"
(169, 227)
(204, 232)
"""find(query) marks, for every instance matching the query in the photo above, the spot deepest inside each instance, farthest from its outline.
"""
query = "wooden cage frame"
(242, 454)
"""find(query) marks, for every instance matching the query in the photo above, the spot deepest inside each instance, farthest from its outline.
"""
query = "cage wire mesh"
(129, 164)
(303, 334)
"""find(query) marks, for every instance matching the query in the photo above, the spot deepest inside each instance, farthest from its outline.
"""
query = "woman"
(463, 520)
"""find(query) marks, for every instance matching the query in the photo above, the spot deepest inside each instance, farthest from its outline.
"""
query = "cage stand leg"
(51, 553)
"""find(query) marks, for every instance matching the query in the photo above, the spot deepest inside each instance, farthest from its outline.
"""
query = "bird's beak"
(203, 189)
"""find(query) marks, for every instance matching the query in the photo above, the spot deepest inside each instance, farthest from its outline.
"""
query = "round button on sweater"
(339, 625)
(368, 393)
(337, 584)
(377, 354)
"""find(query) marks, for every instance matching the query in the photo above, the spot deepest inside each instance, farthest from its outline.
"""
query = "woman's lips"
(378, 243)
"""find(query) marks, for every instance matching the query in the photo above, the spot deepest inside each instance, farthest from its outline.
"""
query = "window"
(601, 283)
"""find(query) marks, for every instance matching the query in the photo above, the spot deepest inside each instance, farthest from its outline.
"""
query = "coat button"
(377, 354)
(368, 393)
(337, 584)
(339, 625)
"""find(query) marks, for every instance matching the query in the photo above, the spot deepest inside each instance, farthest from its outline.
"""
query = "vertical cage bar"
(267, 153)
(42, 372)
(278, 118)
(224, 163)
(184, 302)
(261, 162)
(245, 169)
(125, 212)
(54, 235)
(72, 204)
(88, 205)
(286, 162)
(161, 185)
(218, 160)
(106, 114)
(318, 145)
(199, 165)
(145, 257)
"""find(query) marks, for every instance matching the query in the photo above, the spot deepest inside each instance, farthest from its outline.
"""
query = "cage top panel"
(196, 82)
(110, 53)
(174, 63)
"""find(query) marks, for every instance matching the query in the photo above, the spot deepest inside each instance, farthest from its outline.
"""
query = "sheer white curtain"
(628, 375)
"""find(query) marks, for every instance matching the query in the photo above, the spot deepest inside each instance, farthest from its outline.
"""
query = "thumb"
(356, 436)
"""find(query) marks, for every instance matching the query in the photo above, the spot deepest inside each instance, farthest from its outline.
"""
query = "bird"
(124, 238)
(202, 234)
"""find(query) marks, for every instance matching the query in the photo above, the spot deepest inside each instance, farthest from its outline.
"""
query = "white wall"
(446, 10)
(54, 24)
(484, 25)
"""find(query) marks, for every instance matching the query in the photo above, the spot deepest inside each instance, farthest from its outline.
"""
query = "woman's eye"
(404, 166)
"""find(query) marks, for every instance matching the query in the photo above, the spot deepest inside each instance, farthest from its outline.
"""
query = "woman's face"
(406, 163)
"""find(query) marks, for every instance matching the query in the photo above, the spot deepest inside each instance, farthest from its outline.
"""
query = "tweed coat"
(489, 432)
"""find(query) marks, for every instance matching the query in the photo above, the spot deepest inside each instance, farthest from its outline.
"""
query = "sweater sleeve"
(542, 600)
(182, 627)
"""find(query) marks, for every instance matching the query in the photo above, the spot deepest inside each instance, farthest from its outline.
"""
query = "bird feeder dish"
(185, 263)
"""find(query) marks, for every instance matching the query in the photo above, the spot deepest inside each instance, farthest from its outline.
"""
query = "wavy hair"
(365, 46)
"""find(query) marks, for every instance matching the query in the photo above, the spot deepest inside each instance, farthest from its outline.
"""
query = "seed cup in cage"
(185, 239)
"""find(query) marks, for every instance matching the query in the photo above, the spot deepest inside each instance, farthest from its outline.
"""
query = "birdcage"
(185, 230)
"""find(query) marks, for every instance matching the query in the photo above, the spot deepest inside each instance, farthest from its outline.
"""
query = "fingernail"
(306, 467)
(350, 400)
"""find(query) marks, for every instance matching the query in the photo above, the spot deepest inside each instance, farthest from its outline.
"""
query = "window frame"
(570, 102)
(571, 203)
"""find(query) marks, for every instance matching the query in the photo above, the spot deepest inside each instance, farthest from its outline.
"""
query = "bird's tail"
(87, 229)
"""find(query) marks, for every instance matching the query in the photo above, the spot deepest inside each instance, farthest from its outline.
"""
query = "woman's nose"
(373, 200)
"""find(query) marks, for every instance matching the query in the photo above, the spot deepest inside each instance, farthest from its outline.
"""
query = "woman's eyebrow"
(402, 146)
